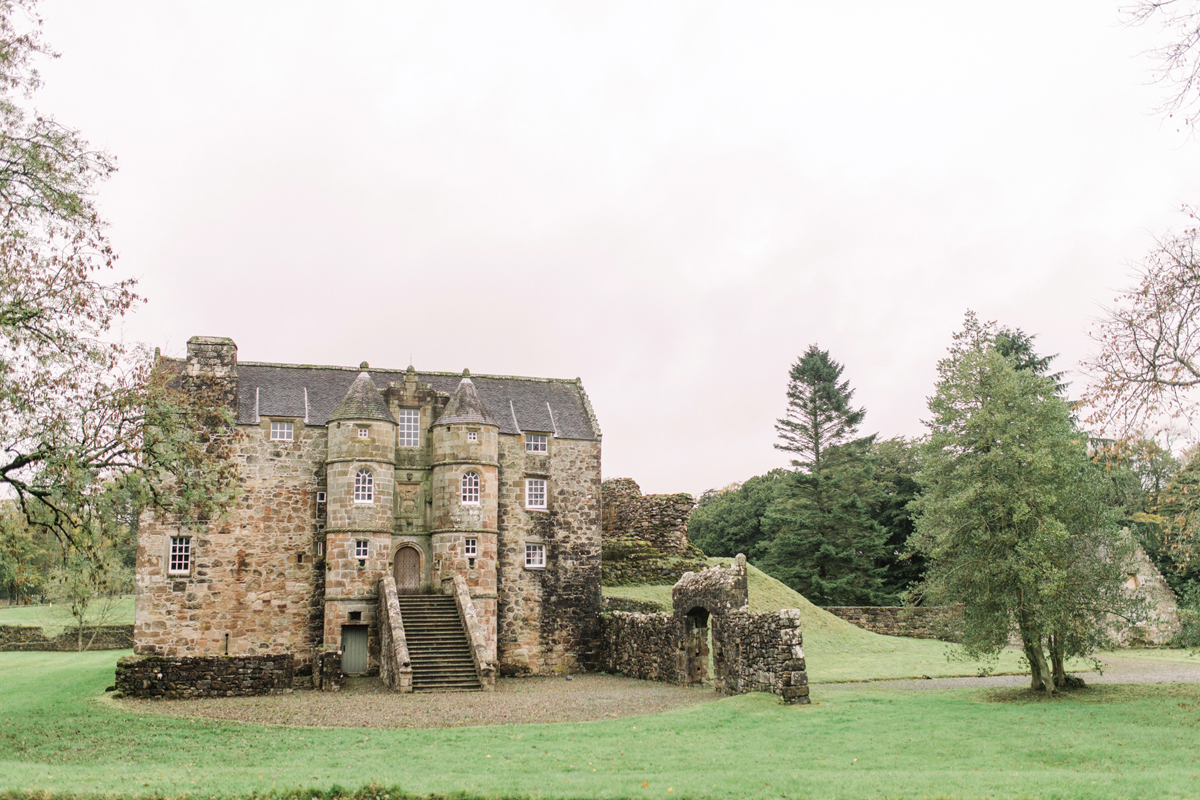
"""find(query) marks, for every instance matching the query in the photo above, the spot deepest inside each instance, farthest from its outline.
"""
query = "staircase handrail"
(395, 665)
(479, 648)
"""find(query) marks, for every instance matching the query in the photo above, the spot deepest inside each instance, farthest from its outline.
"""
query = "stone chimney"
(212, 365)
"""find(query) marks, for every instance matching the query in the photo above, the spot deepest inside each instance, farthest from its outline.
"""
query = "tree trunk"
(1056, 661)
(1040, 673)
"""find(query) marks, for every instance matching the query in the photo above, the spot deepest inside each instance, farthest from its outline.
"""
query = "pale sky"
(669, 200)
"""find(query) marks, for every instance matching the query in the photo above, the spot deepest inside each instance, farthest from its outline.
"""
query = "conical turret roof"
(466, 406)
(362, 401)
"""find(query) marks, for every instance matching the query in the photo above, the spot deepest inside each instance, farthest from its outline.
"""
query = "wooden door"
(354, 649)
(407, 570)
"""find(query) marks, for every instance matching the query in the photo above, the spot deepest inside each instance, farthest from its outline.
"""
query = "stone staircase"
(438, 646)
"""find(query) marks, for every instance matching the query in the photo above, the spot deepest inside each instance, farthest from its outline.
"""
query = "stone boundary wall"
(642, 646)
(173, 678)
(918, 622)
(327, 670)
(764, 652)
(33, 638)
(395, 666)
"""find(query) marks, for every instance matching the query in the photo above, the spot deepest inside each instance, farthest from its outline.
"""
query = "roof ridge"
(405, 369)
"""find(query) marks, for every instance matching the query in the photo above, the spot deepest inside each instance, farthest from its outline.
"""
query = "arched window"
(470, 488)
(364, 487)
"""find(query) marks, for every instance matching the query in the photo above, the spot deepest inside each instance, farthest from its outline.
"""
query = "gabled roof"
(465, 406)
(313, 393)
(362, 401)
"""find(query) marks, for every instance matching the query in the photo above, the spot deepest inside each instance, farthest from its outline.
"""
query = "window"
(535, 492)
(535, 556)
(320, 497)
(364, 487)
(180, 562)
(470, 547)
(281, 431)
(363, 433)
(410, 427)
(470, 488)
(536, 443)
(320, 548)
(360, 548)
(472, 436)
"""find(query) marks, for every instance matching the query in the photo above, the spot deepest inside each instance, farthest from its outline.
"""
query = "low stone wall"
(327, 671)
(643, 646)
(627, 604)
(917, 622)
(101, 637)
(764, 652)
(204, 676)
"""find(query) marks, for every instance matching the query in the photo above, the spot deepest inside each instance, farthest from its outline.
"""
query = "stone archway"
(406, 569)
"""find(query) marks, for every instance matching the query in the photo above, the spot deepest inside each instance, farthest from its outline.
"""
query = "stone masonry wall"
(30, 638)
(764, 652)
(250, 588)
(205, 676)
(642, 646)
(916, 622)
(645, 536)
(548, 618)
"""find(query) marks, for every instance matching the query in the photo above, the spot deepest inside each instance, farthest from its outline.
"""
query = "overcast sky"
(669, 200)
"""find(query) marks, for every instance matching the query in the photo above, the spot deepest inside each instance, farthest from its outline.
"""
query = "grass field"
(54, 618)
(837, 651)
(58, 734)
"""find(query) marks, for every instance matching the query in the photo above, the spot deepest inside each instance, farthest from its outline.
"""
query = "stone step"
(438, 647)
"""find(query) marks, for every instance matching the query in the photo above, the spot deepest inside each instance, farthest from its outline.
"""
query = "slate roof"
(465, 406)
(313, 393)
(362, 401)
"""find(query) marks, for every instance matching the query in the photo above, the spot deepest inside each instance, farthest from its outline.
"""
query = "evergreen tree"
(826, 546)
(732, 520)
(896, 465)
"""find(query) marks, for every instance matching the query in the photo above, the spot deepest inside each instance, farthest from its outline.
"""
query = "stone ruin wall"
(751, 651)
(33, 638)
(913, 622)
(644, 537)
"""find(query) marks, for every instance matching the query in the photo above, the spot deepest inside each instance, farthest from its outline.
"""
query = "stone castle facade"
(352, 476)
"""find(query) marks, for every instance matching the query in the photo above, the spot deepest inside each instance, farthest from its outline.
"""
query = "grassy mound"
(837, 651)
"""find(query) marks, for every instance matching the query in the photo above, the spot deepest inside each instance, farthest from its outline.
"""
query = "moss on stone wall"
(644, 537)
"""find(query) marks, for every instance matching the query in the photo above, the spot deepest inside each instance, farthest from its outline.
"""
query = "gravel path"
(1116, 670)
(367, 703)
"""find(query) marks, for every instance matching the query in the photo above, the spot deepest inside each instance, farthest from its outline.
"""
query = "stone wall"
(203, 676)
(395, 665)
(100, 637)
(645, 536)
(751, 651)
(1162, 622)
(548, 618)
(917, 622)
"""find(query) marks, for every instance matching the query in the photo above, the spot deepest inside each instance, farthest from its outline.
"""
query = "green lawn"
(837, 651)
(58, 735)
(54, 618)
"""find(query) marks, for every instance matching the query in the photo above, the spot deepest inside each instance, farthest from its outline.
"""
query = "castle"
(363, 487)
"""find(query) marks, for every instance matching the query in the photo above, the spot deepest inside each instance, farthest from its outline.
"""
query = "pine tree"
(826, 546)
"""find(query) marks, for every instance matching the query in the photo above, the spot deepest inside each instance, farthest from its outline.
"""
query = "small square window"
(356, 616)
(363, 433)
(535, 492)
(281, 431)
(470, 547)
(472, 436)
(180, 562)
(536, 443)
(320, 497)
(360, 548)
(535, 556)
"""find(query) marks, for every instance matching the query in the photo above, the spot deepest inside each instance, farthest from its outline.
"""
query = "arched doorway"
(407, 570)
(695, 644)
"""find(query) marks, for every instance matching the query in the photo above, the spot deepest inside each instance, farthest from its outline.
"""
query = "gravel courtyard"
(367, 703)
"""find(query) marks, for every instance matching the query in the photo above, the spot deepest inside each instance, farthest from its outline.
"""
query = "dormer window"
(364, 486)
(470, 488)
(536, 443)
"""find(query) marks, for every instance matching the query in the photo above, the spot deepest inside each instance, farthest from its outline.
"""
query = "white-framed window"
(472, 436)
(364, 487)
(281, 431)
(363, 433)
(470, 488)
(410, 427)
(536, 443)
(470, 547)
(180, 560)
(320, 497)
(535, 556)
(320, 548)
(535, 492)
(360, 548)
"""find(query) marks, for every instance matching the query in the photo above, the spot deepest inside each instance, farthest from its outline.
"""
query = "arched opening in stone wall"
(406, 569)
(696, 649)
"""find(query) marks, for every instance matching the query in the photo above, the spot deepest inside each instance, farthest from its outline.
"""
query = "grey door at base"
(354, 649)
